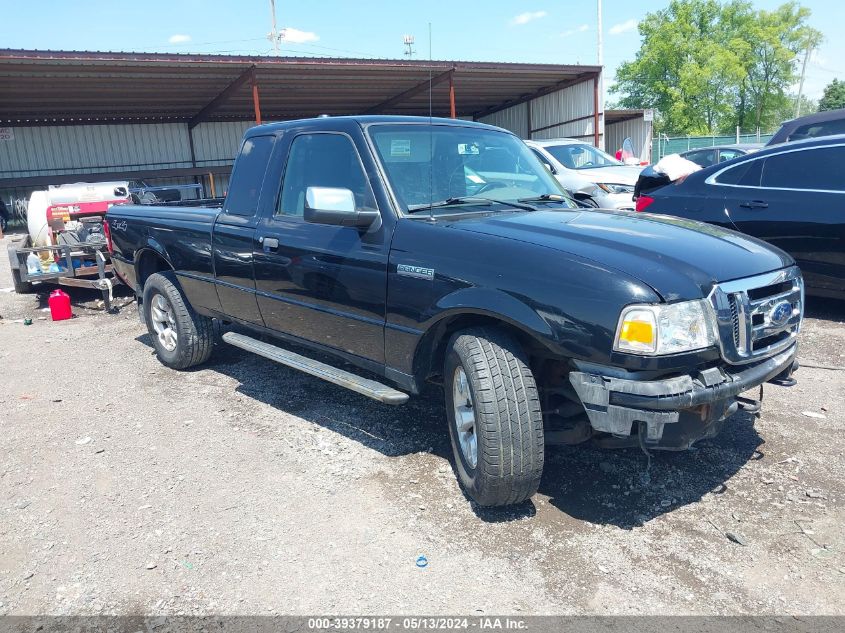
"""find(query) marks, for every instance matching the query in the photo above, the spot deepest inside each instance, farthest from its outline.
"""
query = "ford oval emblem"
(780, 313)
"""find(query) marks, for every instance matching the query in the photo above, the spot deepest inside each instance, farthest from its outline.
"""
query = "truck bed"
(181, 234)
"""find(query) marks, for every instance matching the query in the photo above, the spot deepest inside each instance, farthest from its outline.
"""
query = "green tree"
(682, 70)
(787, 112)
(706, 66)
(777, 37)
(834, 96)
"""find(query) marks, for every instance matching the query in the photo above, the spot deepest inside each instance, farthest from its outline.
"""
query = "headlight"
(654, 330)
(614, 188)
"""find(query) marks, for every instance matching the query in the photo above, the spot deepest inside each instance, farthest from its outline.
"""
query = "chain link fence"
(663, 145)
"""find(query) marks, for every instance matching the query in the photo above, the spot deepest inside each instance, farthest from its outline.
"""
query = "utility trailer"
(80, 266)
(67, 239)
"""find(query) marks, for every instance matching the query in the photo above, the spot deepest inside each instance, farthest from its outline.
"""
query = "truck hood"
(680, 259)
(618, 175)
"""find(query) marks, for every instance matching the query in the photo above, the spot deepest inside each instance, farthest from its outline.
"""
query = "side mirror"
(335, 206)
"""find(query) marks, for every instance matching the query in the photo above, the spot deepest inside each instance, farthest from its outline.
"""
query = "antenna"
(409, 46)
(430, 137)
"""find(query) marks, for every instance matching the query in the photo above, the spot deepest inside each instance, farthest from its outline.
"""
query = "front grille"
(734, 319)
(758, 316)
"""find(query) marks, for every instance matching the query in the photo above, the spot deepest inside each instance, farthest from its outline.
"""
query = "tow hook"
(784, 382)
(749, 405)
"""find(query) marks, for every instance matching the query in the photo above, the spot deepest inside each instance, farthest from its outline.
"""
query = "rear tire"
(21, 287)
(181, 337)
(499, 400)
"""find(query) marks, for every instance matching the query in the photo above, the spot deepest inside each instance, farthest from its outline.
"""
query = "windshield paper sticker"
(415, 271)
(400, 147)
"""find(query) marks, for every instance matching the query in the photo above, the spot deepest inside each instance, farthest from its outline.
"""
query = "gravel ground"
(243, 487)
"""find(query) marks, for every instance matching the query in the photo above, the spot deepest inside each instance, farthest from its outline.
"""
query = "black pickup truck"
(430, 250)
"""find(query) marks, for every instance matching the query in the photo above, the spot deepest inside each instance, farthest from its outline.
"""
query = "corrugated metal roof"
(71, 87)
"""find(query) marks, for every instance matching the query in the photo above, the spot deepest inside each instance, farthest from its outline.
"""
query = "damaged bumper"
(673, 413)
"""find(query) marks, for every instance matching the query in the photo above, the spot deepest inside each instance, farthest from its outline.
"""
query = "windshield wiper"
(454, 202)
(546, 197)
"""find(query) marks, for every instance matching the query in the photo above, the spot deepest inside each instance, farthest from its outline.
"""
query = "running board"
(364, 386)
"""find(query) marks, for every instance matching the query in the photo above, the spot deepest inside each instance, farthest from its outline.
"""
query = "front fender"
(495, 304)
(471, 306)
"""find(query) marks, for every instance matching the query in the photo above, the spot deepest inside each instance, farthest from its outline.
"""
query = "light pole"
(801, 84)
(600, 35)
(600, 58)
(273, 35)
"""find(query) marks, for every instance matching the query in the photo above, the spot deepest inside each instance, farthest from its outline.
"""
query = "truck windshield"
(430, 165)
(581, 156)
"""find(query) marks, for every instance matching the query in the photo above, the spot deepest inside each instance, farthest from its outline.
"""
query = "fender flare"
(482, 302)
(153, 246)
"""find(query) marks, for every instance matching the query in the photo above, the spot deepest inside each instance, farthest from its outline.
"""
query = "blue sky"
(563, 31)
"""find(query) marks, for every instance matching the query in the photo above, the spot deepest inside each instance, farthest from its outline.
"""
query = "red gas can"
(59, 305)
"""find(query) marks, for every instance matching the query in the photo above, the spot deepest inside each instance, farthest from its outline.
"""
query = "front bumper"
(676, 412)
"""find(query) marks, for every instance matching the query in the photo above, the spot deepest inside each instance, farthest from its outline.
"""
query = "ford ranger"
(433, 250)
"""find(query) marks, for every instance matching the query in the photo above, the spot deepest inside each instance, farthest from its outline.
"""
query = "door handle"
(269, 243)
(754, 204)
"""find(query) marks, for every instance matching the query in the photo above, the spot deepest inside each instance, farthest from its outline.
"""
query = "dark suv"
(825, 123)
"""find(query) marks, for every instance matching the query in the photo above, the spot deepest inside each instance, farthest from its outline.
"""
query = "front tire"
(495, 420)
(181, 337)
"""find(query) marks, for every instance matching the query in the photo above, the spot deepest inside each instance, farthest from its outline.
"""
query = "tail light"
(107, 233)
(643, 202)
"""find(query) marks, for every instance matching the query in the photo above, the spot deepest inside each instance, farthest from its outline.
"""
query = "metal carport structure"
(191, 98)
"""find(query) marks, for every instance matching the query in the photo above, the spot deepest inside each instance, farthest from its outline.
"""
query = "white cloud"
(528, 16)
(581, 29)
(295, 36)
(623, 27)
(179, 38)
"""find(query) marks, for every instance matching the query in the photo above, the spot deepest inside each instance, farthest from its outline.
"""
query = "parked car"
(827, 123)
(587, 173)
(706, 156)
(792, 196)
(368, 239)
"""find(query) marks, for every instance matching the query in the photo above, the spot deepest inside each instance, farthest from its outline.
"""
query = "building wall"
(514, 119)
(89, 149)
(218, 143)
(85, 149)
(565, 113)
(638, 130)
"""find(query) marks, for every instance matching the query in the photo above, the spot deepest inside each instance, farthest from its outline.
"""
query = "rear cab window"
(248, 176)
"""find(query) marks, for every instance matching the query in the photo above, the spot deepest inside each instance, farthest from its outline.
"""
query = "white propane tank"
(88, 192)
(36, 218)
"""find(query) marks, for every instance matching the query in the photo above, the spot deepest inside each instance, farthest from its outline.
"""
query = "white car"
(589, 174)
